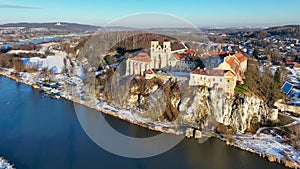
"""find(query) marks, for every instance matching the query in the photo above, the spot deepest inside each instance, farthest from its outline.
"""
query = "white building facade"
(163, 57)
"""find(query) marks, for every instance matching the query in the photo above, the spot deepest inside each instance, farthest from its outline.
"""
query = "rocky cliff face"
(199, 107)
(155, 99)
(242, 113)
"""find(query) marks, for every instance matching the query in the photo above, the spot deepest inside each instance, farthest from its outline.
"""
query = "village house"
(225, 76)
(216, 78)
(291, 90)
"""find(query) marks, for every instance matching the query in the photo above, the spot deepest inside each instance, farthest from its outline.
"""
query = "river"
(41, 133)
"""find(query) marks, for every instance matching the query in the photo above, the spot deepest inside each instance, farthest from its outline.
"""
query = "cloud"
(15, 6)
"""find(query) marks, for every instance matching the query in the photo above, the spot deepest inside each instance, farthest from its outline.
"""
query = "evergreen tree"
(277, 76)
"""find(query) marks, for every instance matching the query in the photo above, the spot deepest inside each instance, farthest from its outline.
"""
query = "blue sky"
(199, 12)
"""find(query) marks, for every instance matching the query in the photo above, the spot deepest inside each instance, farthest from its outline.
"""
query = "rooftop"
(142, 57)
(241, 57)
(234, 64)
(189, 55)
(214, 72)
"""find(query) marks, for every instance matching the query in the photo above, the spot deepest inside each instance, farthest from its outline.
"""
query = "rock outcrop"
(197, 107)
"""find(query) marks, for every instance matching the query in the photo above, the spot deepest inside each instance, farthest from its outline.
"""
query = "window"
(213, 79)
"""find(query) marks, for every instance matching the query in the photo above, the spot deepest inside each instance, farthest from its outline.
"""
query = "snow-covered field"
(271, 142)
(23, 51)
(54, 63)
(268, 145)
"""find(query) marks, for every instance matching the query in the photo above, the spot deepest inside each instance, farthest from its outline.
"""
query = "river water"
(37, 132)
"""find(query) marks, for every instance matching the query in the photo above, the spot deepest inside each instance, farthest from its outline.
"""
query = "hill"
(124, 42)
(55, 25)
(287, 31)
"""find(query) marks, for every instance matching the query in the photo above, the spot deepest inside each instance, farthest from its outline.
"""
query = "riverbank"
(4, 164)
(168, 128)
(267, 148)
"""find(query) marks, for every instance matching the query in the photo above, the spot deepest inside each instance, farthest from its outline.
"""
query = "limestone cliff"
(199, 107)
(243, 113)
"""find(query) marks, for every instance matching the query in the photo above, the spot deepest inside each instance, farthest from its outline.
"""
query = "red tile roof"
(149, 71)
(241, 57)
(189, 55)
(233, 65)
(142, 57)
(214, 72)
(182, 56)
(178, 56)
(191, 52)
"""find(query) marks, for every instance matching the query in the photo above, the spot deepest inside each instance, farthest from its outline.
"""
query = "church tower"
(154, 45)
(167, 46)
(160, 54)
(167, 53)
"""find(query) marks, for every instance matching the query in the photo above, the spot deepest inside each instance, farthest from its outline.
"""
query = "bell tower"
(167, 46)
(154, 45)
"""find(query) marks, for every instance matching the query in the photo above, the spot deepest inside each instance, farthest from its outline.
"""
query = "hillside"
(54, 25)
(287, 31)
(124, 42)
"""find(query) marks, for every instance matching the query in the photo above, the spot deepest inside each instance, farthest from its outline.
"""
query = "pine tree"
(277, 76)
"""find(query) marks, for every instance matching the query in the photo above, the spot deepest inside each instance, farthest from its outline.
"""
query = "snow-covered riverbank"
(267, 143)
(4, 164)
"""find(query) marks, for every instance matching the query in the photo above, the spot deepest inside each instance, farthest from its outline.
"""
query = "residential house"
(224, 77)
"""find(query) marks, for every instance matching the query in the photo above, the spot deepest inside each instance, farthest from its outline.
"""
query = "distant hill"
(55, 25)
(287, 31)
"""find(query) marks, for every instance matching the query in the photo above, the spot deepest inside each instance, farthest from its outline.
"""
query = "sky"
(203, 13)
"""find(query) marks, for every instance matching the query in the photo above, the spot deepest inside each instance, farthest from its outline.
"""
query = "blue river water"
(37, 132)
